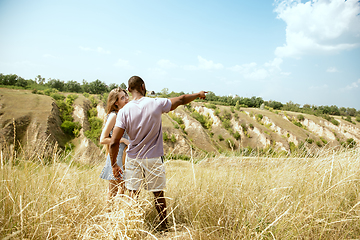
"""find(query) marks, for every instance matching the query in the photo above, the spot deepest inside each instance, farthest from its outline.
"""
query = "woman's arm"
(109, 125)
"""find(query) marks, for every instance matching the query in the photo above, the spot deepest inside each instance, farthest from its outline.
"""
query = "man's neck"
(137, 95)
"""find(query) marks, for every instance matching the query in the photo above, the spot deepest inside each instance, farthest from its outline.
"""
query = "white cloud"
(164, 63)
(98, 49)
(122, 64)
(332, 70)
(352, 86)
(318, 26)
(205, 65)
(253, 71)
(156, 72)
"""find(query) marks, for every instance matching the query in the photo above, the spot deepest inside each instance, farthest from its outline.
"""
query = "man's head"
(135, 83)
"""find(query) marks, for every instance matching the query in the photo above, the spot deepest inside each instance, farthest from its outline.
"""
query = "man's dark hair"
(135, 83)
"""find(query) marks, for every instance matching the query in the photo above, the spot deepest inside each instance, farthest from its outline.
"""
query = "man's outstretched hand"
(202, 94)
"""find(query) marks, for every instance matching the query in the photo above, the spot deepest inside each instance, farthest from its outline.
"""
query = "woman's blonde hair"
(111, 106)
(112, 99)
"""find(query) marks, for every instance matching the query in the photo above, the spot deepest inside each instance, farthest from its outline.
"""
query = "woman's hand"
(125, 141)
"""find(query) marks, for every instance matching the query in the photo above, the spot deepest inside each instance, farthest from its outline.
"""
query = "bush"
(357, 118)
(334, 121)
(318, 143)
(57, 96)
(237, 135)
(309, 140)
(292, 147)
(259, 117)
(297, 123)
(165, 136)
(350, 143)
(85, 94)
(210, 105)
(95, 129)
(323, 140)
(69, 127)
(220, 138)
(205, 121)
(348, 118)
(173, 138)
(300, 117)
(92, 113)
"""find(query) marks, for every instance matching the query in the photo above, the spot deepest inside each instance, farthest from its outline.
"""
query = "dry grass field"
(218, 198)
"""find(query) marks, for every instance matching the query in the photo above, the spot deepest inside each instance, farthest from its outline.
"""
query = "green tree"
(73, 86)
(56, 83)
(40, 80)
(123, 86)
(97, 87)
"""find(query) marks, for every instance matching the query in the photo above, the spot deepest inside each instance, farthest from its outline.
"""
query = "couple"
(141, 119)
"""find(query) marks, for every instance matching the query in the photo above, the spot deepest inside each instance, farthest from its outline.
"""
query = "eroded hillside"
(189, 130)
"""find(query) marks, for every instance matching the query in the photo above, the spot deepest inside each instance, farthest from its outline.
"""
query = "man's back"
(142, 121)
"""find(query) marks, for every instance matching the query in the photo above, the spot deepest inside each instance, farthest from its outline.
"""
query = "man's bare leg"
(160, 205)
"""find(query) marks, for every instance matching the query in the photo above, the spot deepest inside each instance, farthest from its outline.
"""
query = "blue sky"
(307, 52)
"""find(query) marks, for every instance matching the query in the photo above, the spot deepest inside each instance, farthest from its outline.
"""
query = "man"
(141, 118)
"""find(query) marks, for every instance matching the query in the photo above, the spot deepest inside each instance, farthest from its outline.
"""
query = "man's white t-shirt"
(142, 121)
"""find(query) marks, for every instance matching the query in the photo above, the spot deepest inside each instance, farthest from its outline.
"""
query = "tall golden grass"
(217, 198)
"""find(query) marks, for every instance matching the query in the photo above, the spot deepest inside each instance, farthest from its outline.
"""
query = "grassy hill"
(198, 129)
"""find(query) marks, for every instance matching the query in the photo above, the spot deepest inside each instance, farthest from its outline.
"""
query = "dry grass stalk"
(233, 198)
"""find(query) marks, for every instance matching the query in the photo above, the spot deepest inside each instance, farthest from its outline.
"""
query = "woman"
(117, 99)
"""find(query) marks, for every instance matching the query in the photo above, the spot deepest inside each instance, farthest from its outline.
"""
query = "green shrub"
(323, 140)
(251, 126)
(348, 118)
(226, 124)
(236, 116)
(232, 109)
(92, 113)
(176, 118)
(95, 129)
(350, 143)
(300, 117)
(210, 105)
(165, 136)
(297, 123)
(57, 96)
(173, 138)
(357, 118)
(220, 138)
(237, 135)
(318, 143)
(259, 117)
(69, 127)
(292, 147)
(205, 121)
(334, 121)
(94, 101)
(85, 94)
(309, 140)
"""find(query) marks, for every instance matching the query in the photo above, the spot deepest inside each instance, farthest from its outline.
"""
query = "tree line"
(39, 83)
(99, 87)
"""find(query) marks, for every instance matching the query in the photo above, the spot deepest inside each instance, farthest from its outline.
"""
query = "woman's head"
(117, 99)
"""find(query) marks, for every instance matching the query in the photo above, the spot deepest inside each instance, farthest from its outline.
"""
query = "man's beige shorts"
(147, 173)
